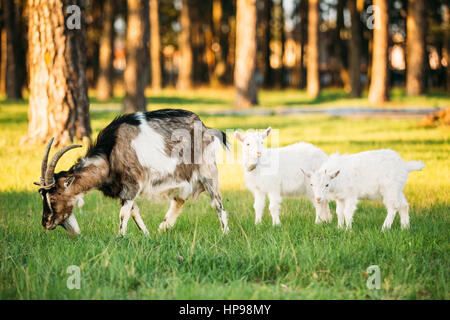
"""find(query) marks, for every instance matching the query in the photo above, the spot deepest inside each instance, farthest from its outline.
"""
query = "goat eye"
(326, 186)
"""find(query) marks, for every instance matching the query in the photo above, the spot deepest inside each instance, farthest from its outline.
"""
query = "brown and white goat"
(165, 153)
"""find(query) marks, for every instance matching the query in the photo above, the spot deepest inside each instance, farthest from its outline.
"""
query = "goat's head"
(58, 201)
(320, 182)
(252, 145)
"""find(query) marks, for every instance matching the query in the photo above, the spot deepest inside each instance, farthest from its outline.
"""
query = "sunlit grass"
(194, 260)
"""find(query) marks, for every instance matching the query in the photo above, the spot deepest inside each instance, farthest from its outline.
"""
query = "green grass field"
(299, 260)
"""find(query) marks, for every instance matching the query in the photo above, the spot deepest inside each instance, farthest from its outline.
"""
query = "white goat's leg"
(319, 212)
(172, 214)
(403, 212)
(350, 207)
(326, 212)
(392, 204)
(274, 207)
(258, 205)
(125, 213)
(137, 218)
(340, 206)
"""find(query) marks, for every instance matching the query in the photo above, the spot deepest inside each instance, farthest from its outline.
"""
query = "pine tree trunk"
(106, 54)
(3, 61)
(416, 26)
(137, 55)
(378, 91)
(59, 105)
(244, 74)
(155, 46)
(268, 72)
(313, 76)
(185, 74)
(355, 50)
(446, 41)
(14, 51)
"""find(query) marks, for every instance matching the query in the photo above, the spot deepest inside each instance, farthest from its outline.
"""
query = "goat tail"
(415, 165)
(221, 136)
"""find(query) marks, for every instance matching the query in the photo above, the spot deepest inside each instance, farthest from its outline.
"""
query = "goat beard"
(71, 225)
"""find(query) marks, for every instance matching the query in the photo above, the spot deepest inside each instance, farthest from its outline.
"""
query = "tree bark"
(137, 55)
(185, 74)
(268, 72)
(244, 75)
(355, 50)
(446, 41)
(378, 91)
(59, 105)
(155, 46)
(106, 54)
(313, 76)
(416, 26)
(3, 61)
(15, 71)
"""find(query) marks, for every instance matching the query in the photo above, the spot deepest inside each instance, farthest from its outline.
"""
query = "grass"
(299, 260)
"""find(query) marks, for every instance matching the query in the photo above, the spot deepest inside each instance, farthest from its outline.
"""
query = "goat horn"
(44, 162)
(49, 179)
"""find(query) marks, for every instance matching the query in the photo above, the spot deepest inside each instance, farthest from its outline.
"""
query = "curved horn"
(49, 179)
(45, 161)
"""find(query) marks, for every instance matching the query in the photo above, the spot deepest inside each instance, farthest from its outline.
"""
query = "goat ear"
(307, 174)
(239, 136)
(69, 182)
(334, 175)
(266, 132)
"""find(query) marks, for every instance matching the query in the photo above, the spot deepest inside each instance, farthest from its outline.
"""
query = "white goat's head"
(252, 145)
(320, 182)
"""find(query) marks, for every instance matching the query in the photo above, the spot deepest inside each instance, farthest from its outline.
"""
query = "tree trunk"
(268, 72)
(313, 76)
(15, 71)
(378, 91)
(59, 105)
(106, 54)
(184, 42)
(155, 46)
(136, 71)
(446, 20)
(355, 51)
(3, 61)
(416, 26)
(244, 75)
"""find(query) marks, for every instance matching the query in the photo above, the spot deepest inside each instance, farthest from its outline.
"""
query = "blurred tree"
(266, 22)
(106, 54)
(416, 54)
(244, 74)
(378, 90)
(446, 22)
(355, 50)
(155, 46)
(280, 38)
(137, 55)
(59, 105)
(313, 75)
(218, 43)
(15, 54)
(185, 46)
(340, 49)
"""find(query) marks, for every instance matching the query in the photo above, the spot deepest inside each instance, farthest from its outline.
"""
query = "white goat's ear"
(69, 182)
(307, 174)
(334, 175)
(239, 136)
(266, 132)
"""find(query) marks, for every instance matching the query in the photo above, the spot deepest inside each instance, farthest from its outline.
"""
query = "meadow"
(194, 260)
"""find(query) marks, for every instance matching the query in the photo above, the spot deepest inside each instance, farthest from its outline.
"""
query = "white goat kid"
(372, 175)
(273, 172)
